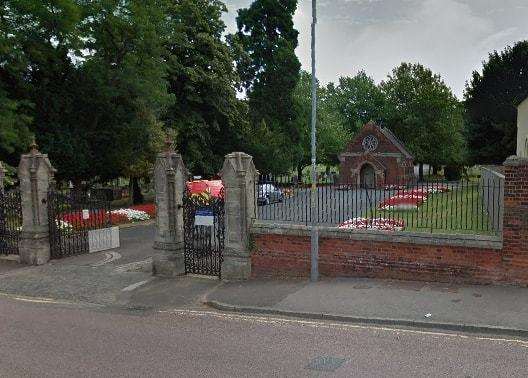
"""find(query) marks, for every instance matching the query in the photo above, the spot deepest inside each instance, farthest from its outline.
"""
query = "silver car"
(269, 193)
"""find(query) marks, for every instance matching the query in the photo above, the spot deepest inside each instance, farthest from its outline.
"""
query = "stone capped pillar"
(35, 173)
(515, 223)
(239, 175)
(170, 176)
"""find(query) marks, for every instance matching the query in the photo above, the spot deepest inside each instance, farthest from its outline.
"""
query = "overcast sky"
(452, 37)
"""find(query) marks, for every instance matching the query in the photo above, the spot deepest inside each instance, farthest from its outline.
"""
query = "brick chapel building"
(376, 158)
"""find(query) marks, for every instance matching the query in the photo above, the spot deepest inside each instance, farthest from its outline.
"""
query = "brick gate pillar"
(239, 175)
(35, 173)
(170, 176)
(515, 233)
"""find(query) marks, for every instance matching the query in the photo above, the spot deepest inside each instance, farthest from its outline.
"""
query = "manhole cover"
(326, 363)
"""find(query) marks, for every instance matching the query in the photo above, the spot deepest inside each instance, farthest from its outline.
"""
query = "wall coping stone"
(493, 172)
(422, 238)
(516, 161)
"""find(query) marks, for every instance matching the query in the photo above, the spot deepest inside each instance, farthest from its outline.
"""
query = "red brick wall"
(288, 255)
(515, 251)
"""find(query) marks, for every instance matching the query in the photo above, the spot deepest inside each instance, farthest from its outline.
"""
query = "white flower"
(63, 225)
(132, 215)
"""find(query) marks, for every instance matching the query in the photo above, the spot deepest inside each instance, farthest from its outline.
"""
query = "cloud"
(452, 37)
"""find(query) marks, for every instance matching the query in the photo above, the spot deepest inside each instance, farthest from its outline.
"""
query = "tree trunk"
(436, 169)
(299, 173)
(77, 187)
(137, 196)
(421, 172)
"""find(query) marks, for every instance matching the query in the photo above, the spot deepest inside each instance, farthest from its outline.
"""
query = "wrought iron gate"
(10, 221)
(71, 216)
(204, 228)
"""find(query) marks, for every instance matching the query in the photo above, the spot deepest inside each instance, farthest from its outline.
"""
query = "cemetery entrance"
(79, 222)
(204, 229)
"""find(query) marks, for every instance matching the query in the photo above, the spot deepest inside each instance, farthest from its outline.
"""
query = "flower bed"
(411, 199)
(213, 187)
(74, 220)
(403, 202)
(380, 224)
(137, 213)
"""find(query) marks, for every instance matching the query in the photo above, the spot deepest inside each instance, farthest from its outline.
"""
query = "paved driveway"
(334, 205)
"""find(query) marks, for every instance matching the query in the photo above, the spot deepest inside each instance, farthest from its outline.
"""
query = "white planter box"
(103, 239)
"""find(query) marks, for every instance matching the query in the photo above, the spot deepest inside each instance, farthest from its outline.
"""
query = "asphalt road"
(335, 205)
(59, 340)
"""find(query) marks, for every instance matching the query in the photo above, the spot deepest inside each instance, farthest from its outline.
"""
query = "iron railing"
(440, 207)
(71, 215)
(203, 241)
(10, 221)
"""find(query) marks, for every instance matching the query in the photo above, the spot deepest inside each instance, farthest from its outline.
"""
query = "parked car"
(269, 193)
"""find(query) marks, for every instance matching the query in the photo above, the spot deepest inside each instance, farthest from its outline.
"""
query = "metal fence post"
(2, 178)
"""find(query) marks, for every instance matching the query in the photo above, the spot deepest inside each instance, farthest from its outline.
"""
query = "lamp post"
(314, 235)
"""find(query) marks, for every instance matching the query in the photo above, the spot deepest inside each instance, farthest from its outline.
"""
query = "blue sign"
(204, 217)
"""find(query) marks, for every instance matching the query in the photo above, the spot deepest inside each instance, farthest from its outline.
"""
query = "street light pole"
(314, 236)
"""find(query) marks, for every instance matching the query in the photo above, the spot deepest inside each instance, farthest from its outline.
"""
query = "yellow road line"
(333, 325)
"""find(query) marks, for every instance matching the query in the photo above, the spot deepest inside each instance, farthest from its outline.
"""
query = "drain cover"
(326, 363)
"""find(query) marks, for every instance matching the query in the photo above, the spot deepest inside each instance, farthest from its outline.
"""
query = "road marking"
(333, 325)
(109, 257)
(41, 300)
(136, 285)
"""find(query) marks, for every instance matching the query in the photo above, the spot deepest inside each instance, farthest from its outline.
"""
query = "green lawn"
(461, 210)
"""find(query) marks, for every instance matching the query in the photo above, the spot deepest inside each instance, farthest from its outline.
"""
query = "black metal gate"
(204, 228)
(10, 221)
(71, 216)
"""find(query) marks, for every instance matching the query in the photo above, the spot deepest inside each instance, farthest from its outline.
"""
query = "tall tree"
(126, 74)
(332, 134)
(269, 69)
(93, 76)
(358, 99)
(206, 115)
(491, 104)
(424, 113)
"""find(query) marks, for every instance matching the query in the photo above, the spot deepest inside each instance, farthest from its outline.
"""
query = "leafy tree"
(357, 99)
(332, 134)
(127, 72)
(206, 115)
(424, 113)
(14, 131)
(39, 37)
(266, 41)
(491, 100)
(92, 75)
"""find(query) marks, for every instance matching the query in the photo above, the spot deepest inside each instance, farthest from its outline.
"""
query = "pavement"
(121, 279)
(480, 309)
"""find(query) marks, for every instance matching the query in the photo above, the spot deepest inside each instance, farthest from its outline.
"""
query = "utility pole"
(314, 236)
